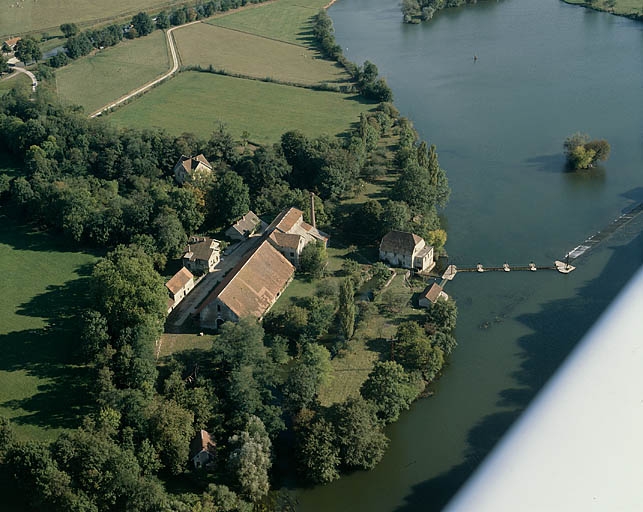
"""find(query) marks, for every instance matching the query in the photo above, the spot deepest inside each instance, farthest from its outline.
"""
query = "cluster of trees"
(582, 152)
(27, 50)
(415, 11)
(142, 24)
(368, 83)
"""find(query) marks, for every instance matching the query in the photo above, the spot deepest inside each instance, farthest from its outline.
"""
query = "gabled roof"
(191, 162)
(400, 242)
(251, 287)
(246, 223)
(201, 248)
(287, 240)
(12, 41)
(432, 292)
(179, 280)
(201, 442)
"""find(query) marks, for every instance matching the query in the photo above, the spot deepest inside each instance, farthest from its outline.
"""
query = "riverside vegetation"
(257, 391)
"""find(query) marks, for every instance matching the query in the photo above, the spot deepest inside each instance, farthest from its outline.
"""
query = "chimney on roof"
(312, 209)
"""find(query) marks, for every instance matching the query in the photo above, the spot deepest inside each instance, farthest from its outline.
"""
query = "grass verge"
(198, 102)
(95, 80)
(18, 80)
(622, 7)
(44, 286)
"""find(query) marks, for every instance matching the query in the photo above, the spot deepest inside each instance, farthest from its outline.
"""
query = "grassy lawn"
(286, 20)
(237, 52)
(20, 16)
(625, 7)
(198, 102)
(19, 80)
(44, 286)
(174, 343)
(95, 80)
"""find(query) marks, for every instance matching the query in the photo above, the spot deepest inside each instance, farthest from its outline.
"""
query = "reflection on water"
(545, 71)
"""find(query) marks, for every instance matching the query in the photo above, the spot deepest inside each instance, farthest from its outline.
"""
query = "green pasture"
(624, 7)
(246, 54)
(44, 286)
(20, 16)
(198, 102)
(18, 80)
(285, 20)
(105, 76)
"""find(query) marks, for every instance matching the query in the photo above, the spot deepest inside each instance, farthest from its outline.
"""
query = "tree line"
(415, 11)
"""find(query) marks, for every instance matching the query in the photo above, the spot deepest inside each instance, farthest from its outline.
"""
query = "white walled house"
(202, 255)
(179, 286)
(406, 250)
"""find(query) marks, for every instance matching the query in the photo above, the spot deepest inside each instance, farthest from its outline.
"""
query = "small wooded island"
(583, 153)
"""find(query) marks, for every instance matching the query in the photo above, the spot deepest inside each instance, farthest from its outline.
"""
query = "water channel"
(544, 70)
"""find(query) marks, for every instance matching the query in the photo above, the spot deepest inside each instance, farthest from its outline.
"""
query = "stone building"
(202, 254)
(406, 250)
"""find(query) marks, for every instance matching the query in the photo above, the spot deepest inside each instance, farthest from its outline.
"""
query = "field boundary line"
(260, 36)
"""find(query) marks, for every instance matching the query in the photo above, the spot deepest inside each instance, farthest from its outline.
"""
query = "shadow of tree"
(556, 329)
(51, 355)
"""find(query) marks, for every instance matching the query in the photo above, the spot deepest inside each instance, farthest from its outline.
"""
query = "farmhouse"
(12, 42)
(192, 169)
(289, 234)
(247, 225)
(406, 250)
(431, 295)
(202, 449)
(202, 254)
(179, 286)
(249, 289)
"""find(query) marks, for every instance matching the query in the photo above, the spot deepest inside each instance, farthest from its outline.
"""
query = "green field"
(43, 286)
(286, 20)
(20, 16)
(246, 54)
(95, 80)
(624, 7)
(19, 80)
(198, 102)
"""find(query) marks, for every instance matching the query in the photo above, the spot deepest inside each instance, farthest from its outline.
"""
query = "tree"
(318, 451)
(313, 259)
(228, 200)
(77, 46)
(390, 389)
(416, 352)
(359, 433)
(69, 29)
(443, 314)
(437, 238)
(346, 310)
(4, 65)
(143, 24)
(28, 50)
(127, 289)
(7, 437)
(162, 21)
(171, 431)
(583, 153)
(249, 461)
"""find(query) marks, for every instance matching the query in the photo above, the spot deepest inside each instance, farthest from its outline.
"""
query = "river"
(545, 70)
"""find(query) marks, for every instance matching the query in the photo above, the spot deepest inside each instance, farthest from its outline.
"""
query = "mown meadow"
(198, 102)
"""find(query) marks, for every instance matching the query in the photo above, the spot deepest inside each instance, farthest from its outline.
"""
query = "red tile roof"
(179, 280)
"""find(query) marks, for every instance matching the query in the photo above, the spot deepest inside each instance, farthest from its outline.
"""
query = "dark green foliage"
(359, 433)
(313, 259)
(318, 451)
(79, 45)
(4, 65)
(142, 23)
(59, 60)
(416, 10)
(415, 351)
(381, 274)
(28, 50)
(170, 432)
(163, 21)
(7, 437)
(390, 389)
(69, 29)
(443, 315)
(228, 200)
(346, 311)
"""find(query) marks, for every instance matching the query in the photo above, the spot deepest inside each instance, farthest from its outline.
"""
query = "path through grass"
(96, 80)
(44, 287)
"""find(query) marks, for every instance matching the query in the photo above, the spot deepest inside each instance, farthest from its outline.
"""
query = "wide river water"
(544, 70)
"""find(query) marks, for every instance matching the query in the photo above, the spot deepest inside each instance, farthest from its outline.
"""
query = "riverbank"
(629, 8)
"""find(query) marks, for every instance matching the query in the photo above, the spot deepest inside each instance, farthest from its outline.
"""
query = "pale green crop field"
(625, 7)
(286, 20)
(250, 55)
(197, 102)
(95, 80)
(17, 80)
